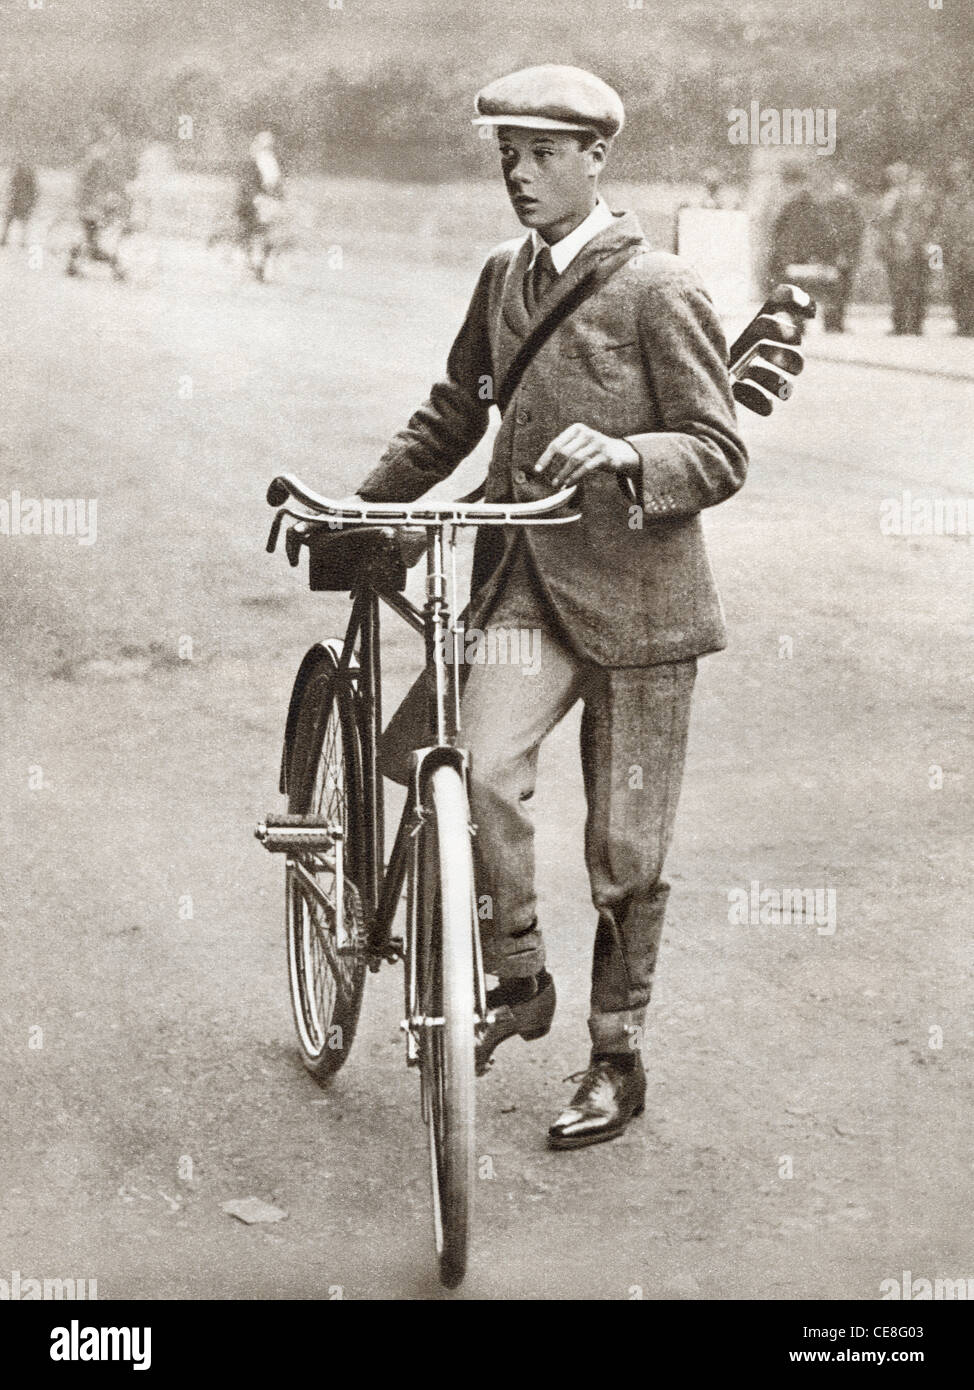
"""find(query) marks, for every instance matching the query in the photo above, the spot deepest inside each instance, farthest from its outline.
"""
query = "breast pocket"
(611, 376)
(607, 363)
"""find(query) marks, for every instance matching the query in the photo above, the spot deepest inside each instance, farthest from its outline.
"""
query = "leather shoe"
(606, 1100)
(529, 1020)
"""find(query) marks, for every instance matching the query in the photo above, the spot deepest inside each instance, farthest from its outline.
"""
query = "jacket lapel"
(624, 231)
(513, 307)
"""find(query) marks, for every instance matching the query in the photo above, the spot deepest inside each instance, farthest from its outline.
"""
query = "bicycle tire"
(325, 778)
(446, 990)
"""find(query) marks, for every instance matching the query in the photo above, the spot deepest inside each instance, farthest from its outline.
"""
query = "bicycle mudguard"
(310, 661)
(336, 559)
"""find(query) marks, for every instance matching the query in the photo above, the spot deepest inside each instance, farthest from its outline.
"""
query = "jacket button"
(523, 417)
(520, 476)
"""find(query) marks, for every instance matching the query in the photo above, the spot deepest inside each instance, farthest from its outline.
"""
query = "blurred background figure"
(905, 230)
(798, 238)
(956, 235)
(844, 225)
(21, 200)
(260, 194)
(104, 203)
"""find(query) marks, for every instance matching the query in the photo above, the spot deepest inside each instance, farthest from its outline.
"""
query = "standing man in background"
(21, 200)
(905, 234)
(844, 225)
(956, 234)
(799, 234)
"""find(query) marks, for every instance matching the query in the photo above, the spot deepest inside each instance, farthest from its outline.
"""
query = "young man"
(629, 398)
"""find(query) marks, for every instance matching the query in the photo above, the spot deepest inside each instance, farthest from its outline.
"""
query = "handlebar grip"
(278, 492)
(275, 532)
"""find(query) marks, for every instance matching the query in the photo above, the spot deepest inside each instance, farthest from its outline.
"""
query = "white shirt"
(564, 252)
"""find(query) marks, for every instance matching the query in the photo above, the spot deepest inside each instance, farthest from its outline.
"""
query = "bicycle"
(340, 898)
(340, 902)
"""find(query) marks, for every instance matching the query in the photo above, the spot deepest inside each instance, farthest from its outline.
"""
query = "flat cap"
(551, 97)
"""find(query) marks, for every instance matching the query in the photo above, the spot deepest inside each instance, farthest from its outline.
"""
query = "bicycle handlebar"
(320, 508)
(774, 335)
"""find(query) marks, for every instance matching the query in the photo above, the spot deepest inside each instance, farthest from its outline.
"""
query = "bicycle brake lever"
(294, 539)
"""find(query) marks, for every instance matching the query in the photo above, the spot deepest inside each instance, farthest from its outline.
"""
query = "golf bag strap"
(542, 331)
(539, 335)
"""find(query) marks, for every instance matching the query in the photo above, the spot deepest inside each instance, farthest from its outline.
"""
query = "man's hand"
(579, 450)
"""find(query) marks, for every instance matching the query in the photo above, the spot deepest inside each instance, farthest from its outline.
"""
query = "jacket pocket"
(595, 348)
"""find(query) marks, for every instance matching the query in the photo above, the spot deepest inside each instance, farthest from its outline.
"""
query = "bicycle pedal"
(291, 834)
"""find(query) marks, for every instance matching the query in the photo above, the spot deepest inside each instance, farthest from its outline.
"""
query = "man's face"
(550, 179)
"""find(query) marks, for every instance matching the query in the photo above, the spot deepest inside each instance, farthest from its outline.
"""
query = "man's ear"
(597, 154)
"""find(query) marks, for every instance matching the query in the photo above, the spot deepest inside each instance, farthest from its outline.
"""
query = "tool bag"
(336, 559)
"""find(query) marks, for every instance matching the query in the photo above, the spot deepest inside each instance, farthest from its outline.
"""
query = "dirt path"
(167, 1037)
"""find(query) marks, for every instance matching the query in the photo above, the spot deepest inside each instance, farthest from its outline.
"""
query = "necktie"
(541, 277)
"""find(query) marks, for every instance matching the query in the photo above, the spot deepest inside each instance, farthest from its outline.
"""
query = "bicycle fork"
(418, 916)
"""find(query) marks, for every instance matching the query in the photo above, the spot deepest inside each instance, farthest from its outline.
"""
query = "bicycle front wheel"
(446, 998)
(326, 939)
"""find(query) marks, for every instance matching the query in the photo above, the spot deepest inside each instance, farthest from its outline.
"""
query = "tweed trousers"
(633, 742)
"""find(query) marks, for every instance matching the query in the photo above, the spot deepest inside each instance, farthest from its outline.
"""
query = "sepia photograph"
(486, 537)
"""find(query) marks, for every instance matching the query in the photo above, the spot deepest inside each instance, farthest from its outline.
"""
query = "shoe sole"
(583, 1141)
(529, 1035)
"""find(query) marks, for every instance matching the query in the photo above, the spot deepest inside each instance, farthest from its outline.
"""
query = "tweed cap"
(551, 97)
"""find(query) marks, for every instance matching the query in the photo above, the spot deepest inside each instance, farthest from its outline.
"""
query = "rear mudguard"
(312, 658)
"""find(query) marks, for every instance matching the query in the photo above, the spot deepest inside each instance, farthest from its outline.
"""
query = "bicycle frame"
(383, 885)
(380, 886)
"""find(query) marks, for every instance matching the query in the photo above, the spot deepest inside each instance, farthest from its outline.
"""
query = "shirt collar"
(564, 252)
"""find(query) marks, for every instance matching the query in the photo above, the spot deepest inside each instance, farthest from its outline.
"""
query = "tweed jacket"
(643, 358)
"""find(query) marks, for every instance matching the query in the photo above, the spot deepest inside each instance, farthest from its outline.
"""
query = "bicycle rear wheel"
(446, 995)
(326, 941)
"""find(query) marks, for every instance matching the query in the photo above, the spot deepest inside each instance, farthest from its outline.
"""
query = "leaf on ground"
(252, 1211)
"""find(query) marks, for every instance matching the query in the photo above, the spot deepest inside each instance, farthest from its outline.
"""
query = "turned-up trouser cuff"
(633, 742)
